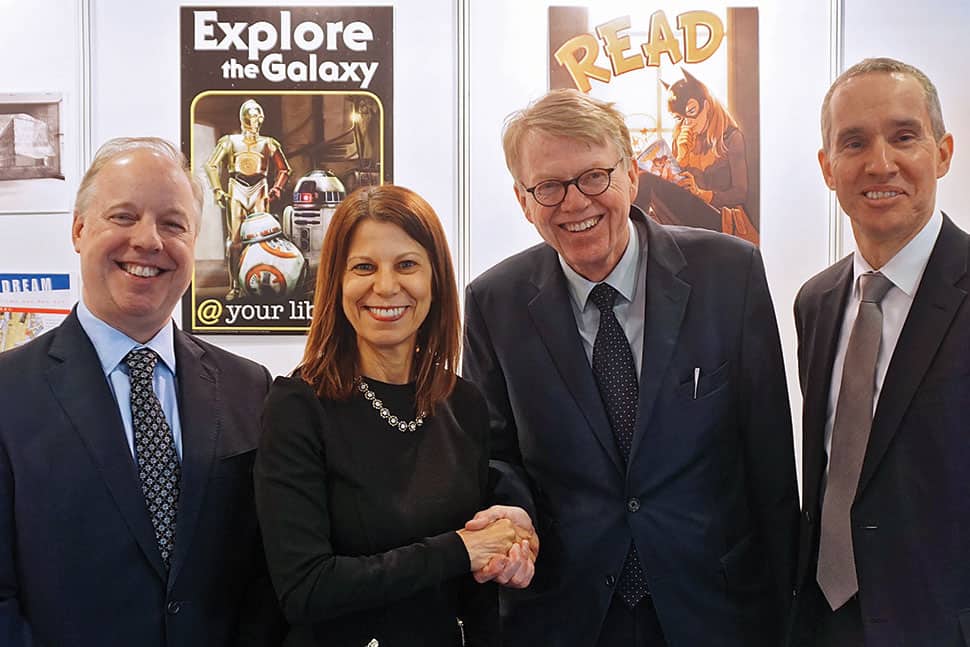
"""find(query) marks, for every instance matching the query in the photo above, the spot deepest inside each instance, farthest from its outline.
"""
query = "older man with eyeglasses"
(639, 410)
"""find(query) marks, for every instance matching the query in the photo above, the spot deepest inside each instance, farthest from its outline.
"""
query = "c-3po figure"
(248, 157)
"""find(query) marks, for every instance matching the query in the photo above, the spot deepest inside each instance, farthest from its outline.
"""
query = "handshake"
(502, 545)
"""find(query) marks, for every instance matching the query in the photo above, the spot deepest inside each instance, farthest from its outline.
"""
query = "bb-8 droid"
(270, 265)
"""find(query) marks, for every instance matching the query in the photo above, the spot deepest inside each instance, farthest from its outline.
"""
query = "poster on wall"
(32, 304)
(31, 152)
(688, 84)
(285, 110)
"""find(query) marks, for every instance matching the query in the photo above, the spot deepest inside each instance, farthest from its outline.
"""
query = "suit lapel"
(80, 387)
(666, 301)
(553, 317)
(199, 407)
(824, 329)
(937, 301)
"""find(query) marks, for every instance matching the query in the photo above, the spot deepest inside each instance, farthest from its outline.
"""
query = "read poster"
(688, 84)
(285, 110)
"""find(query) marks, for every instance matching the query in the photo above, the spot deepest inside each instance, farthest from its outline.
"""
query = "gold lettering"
(584, 67)
(688, 22)
(661, 40)
(615, 45)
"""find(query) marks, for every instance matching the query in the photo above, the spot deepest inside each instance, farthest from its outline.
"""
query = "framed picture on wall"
(33, 165)
(30, 137)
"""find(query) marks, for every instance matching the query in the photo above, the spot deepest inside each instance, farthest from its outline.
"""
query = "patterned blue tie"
(616, 377)
(158, 462)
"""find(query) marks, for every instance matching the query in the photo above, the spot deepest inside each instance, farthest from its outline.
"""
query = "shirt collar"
(905, 269)
(623, 278)
(112, 345)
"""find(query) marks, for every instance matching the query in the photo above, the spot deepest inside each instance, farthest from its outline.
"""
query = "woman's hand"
(494, 539)
(686, 181)
(515, 569)
(685, 142)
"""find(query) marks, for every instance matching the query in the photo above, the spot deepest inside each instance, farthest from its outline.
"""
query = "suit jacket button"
(610, 581)
(173, 607)
(633, 504)
(808, 516)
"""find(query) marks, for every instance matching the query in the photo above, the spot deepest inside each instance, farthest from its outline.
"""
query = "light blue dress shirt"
(112, 346)
(629, 279)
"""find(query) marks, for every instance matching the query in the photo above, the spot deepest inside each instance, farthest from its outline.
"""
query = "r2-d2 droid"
(315, 198)
(270, 265)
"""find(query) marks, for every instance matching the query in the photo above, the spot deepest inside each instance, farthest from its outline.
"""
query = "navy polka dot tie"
(158, 462)
(616, 377)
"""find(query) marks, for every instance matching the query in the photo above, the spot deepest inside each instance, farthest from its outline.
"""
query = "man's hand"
(514, 570)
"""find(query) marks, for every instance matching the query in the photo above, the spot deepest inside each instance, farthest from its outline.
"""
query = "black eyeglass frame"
(575, 182)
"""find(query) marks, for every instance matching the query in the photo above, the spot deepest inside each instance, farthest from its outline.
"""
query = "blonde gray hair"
(566, 113)
(121, 145)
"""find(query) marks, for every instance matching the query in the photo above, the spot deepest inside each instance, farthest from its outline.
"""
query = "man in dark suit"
(126, 445)
(639, 410)
(885, 541)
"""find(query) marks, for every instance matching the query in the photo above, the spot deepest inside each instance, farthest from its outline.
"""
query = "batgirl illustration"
(709, 150)
(691, 99)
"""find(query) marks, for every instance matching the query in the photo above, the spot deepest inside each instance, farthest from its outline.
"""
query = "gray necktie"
(158, 462)
(850, 436)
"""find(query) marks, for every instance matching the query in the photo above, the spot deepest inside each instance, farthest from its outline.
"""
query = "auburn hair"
(330, 360)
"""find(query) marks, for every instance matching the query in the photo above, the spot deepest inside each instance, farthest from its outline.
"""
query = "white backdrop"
(39, 240)
(134, 89)
(922, 37)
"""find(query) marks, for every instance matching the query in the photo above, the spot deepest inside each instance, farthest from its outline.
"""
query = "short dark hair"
(329, 362)
(886, 66)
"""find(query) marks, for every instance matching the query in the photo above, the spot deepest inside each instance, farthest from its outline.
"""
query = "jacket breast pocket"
(704, 384)
(235, 465)
(945, 391)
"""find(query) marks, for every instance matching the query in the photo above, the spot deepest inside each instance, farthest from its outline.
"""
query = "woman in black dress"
(374, 453)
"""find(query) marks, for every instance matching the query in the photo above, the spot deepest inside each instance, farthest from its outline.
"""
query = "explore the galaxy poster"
(285, 110)
(688, 84)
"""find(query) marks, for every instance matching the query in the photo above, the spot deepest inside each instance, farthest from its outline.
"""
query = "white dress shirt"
(905, 270)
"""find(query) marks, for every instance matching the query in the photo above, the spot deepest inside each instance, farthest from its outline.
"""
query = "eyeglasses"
(591, 183)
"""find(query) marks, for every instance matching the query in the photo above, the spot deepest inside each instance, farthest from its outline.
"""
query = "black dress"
(359, 519)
